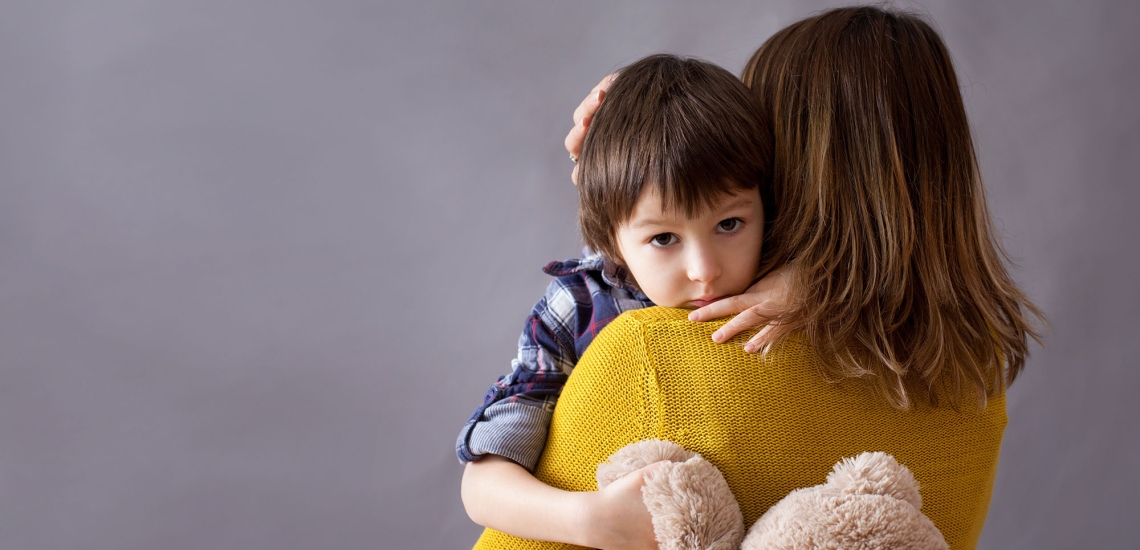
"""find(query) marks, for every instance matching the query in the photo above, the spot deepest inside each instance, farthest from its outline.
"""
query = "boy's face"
(685, 262)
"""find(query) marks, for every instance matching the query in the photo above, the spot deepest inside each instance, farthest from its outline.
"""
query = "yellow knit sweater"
(772, 425)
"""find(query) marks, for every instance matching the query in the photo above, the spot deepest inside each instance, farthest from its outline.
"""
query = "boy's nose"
(703, 265)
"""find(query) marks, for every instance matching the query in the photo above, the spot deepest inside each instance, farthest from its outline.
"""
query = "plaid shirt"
(514, 418)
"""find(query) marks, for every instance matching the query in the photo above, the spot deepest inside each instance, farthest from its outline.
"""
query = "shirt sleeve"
(515, 415)
(609, 403)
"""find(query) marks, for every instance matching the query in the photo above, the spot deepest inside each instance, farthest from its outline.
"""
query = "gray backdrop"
(260, 259)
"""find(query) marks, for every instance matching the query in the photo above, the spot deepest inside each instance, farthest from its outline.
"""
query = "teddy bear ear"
(875, 473)
(638, 455)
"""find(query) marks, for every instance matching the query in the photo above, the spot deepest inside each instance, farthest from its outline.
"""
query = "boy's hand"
(582, 117)
(616, 516)
(765, 299)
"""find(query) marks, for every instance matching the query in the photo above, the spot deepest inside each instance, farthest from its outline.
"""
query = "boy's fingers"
(733, 305)
(758, 340)
(749, 318)
(719, 308)
(648, 471)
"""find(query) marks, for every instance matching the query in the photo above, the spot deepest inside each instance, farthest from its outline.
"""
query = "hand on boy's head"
(582, 117)
(765, 299)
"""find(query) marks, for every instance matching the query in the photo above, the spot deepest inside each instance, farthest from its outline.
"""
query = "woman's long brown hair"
(881, 211)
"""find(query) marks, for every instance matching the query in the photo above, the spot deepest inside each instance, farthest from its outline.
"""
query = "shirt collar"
(612, 273)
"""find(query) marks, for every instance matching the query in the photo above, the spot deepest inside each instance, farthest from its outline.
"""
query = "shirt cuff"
(513, 430)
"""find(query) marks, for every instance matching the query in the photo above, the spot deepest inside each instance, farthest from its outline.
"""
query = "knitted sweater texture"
(771, 424)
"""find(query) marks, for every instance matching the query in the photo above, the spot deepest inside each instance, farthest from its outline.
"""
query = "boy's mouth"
(702, 302)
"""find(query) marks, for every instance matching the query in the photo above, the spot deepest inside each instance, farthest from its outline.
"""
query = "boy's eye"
(729, 225)
(663, 239)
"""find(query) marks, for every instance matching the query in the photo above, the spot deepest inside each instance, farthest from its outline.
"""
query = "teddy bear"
(868, 501)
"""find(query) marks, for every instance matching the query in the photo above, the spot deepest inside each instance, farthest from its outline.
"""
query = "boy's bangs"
(688, 184)
(693, 160)
(691, 183)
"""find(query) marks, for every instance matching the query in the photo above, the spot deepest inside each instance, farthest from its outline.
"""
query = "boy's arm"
(504, 496)
(515, 415)
(504, 438)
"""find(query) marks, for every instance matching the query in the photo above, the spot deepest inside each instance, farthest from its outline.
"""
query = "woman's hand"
(616, 517)
(764, 300)
(582, 117)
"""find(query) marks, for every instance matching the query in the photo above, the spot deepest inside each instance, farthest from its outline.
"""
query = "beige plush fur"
(688, 498)
(869, 501)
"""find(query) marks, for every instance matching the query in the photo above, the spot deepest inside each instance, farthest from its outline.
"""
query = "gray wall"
(260, 259)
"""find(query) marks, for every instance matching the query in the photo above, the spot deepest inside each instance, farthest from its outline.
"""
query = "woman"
(894, 323)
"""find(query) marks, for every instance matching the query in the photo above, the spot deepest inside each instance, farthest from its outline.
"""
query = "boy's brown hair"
(882, 212)
(687, 127)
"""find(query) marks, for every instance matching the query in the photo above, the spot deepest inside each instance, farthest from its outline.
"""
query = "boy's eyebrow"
(649, 222)
(739, 202)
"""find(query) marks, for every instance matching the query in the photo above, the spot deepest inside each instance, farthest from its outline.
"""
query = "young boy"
(674, 187)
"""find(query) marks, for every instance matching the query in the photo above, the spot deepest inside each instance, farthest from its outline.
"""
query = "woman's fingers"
(590, 105)
(574, 139)
(604, 84)
(584, 113)
(582, 117)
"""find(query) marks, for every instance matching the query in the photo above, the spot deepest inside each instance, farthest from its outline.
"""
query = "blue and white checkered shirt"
(514, 418)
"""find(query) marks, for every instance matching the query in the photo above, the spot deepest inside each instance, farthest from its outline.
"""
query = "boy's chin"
(682, 305)
(687, 304)
(677, 305)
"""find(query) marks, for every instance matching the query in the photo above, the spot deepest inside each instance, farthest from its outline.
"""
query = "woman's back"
(772, 425)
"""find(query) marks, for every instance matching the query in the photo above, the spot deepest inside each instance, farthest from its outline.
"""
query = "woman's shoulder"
(655, 314)
(773, 423)
(673, 325)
